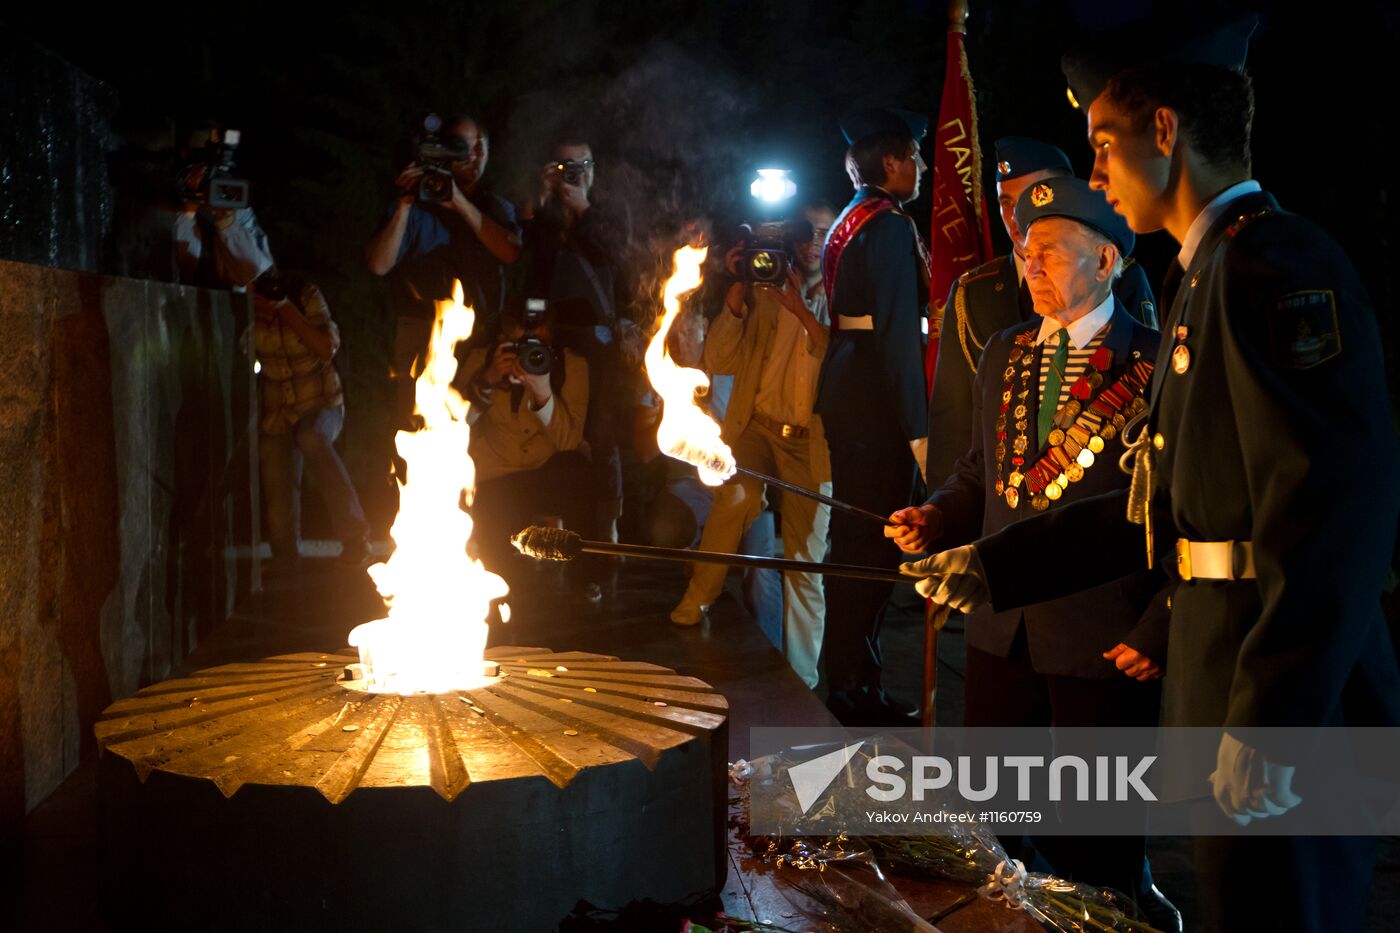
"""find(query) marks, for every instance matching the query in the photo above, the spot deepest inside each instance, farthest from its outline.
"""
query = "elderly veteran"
(995, 296)
(1049, 401)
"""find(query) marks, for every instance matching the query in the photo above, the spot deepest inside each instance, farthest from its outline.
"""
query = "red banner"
(959, 236)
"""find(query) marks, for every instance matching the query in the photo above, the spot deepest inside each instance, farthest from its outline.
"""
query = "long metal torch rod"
(813, 494)
(744, 560)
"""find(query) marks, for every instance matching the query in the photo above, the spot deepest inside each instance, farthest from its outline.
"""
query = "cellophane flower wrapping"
(839, 882)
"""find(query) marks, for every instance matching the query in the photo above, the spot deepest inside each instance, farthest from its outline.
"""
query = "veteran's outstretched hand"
(916, 528)
(952, 578)
(1247, 786)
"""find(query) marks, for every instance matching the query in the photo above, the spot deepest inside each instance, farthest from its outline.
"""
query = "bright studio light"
(773, 185)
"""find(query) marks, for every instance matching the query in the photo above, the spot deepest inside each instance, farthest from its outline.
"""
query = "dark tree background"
(682, 100)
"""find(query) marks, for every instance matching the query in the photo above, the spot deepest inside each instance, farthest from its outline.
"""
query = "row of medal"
(1080, 433)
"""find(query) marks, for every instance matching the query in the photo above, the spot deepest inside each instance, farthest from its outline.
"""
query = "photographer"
(180, 216)
(572, 246)
(528, 402)
(772, 336)
(301, 412)
(442, 226)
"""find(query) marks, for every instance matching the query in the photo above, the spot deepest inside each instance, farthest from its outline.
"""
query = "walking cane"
(935, 617)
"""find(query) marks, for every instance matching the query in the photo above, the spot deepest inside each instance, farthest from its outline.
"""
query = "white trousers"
(804, 527)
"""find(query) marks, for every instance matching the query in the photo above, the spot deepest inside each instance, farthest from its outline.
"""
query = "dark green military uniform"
(985, 301)
(1270, 442)
(1269, 404)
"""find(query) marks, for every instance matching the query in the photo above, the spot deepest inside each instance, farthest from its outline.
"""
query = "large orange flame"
(686, 432)
(435, 633)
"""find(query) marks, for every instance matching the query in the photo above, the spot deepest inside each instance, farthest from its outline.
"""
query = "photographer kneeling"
(529, 402)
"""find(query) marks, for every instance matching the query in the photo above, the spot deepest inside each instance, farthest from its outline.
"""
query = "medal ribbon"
(1084, 429)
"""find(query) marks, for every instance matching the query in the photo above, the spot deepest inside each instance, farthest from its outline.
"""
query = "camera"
(572, 170)
(765, 259)
(436, 155)
(207, 176)
(534, 355)
(270, 285)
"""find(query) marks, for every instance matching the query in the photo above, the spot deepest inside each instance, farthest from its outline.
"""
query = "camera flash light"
(773, 185)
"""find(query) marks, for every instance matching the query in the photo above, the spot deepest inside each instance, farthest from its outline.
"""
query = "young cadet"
(1247, 483)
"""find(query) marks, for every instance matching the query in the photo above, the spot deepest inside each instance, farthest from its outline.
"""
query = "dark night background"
(682, 101)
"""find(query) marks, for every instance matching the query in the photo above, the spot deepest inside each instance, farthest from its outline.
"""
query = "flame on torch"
(686, 432)
(435, 634)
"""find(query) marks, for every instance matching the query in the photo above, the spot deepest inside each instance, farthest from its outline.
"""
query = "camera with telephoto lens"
(533, 354)
(436, 153)
(765, 258)
(207, 175)
(572, 171)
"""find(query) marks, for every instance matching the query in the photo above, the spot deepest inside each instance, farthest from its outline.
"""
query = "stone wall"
(127, 467)
(56, 198)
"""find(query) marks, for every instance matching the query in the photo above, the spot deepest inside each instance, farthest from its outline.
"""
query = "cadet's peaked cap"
(856, 126)
(1153, 41)
(1021, 155)
(1071, 197)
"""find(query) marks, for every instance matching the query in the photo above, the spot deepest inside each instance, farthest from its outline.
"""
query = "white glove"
(951, 578)
(1248, 786)
(919, 448)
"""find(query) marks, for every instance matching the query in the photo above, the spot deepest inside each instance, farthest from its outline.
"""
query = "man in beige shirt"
(527, 428)
(772, 340)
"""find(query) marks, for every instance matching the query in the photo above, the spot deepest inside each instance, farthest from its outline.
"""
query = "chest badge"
(1181, 359)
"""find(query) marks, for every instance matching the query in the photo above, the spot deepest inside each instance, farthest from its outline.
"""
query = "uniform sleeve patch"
(1303, 329)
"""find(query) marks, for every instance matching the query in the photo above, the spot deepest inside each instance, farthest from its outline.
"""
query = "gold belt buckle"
(1183, 558)
(789, 430)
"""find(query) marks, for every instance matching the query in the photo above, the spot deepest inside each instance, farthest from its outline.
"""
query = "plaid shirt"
(294, 381)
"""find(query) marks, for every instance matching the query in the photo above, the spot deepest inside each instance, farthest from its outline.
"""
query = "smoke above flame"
(686, 432)
(435, 634)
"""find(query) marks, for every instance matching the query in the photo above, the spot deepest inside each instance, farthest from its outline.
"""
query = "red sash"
(846, 229)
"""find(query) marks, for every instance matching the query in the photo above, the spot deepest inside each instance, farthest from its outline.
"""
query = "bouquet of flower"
(838, 881)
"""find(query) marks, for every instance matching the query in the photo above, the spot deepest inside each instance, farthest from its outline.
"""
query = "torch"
(686, 432)
(561, 544)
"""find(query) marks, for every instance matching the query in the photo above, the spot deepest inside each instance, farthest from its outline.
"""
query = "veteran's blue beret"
(856, 126)
(1021, 155)
(1154, 41)
(1072, 197)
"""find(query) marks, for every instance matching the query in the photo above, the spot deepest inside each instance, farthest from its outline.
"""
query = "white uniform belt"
(847, 322)
(1214, 560)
